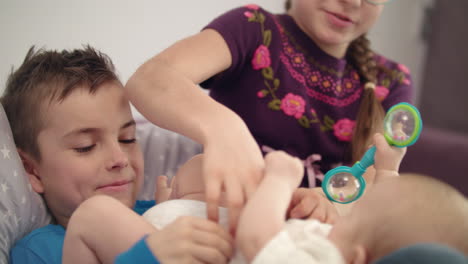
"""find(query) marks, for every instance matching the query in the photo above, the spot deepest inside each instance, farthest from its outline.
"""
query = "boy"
(75, 134)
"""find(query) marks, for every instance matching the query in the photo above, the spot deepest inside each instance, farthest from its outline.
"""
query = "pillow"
(21, 209)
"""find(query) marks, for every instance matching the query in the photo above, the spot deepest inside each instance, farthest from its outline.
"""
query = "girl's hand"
(233, 163)
(191, 240)
(309, 203)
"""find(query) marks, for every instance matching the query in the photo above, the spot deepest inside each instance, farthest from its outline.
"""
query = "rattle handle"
(368, 158)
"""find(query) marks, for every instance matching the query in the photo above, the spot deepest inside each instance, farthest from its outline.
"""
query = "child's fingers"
(163, 191)
(379, 140)
(161, 182)
(213, 193)
(236, 200)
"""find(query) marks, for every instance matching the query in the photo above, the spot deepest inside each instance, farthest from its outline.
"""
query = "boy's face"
(87, 148)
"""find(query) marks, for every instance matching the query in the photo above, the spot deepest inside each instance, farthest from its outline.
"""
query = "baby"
(417, 209)
(186, 196)
(395, 213)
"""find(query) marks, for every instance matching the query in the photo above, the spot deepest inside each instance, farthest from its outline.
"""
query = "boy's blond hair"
(45, 77)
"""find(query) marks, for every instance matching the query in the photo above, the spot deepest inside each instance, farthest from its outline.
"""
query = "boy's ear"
(29, 165)
(359, 255)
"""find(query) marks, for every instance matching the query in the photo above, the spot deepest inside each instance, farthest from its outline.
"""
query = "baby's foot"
(285, 167)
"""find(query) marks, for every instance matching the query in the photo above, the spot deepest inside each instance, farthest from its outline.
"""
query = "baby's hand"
(387, 157)
(281, 164)
(309, 203)
(163, 191)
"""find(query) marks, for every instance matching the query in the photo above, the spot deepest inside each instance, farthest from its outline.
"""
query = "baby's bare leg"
(100, 229)
(265, 213)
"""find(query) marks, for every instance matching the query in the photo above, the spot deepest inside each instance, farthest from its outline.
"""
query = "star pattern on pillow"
(21, 209)
(4, 187)
(5, 151)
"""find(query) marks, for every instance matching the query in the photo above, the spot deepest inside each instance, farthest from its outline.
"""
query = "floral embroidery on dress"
(261, 58)
(323, 83)
(381, 92)
(252, 6)
(343, 129)
(293, 105)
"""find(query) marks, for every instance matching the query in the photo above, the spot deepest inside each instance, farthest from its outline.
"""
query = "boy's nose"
(118, 158)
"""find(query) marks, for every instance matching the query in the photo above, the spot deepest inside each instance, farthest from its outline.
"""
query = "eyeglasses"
(377, 2)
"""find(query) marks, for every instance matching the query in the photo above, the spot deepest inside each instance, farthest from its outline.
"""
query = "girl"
(305, 82)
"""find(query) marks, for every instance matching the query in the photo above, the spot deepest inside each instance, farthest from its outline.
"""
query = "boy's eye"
(84, 149)
(127, 141)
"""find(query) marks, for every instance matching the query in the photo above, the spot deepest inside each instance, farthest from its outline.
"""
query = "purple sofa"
(441, 154)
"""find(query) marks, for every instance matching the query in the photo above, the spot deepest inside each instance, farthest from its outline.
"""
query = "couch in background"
(442, 154)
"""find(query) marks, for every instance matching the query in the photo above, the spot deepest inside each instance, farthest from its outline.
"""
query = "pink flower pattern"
(293, 105)
(260, 94)
(343, 129)
(381, 92)
(252, 6)
(403, 68)
(261, 58)
(248, 14)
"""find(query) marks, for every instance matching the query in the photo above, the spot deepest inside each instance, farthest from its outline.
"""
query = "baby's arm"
(265, 212)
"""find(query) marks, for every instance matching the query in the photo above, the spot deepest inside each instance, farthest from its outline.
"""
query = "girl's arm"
(165, 90)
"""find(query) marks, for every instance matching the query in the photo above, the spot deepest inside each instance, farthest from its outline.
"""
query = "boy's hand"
(387, 157)
(191, 240)
(233, 163)
(163, 190)
(311, 204)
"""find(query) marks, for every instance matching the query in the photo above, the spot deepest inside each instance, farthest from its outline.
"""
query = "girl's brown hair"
(371, 113)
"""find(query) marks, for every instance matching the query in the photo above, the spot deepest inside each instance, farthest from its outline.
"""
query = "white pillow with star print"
(21, 209)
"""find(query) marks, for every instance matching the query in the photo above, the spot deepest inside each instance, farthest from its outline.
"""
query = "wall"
(399, 35)
(444, 101)
(132, 33)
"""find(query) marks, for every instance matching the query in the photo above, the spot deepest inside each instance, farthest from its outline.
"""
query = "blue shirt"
(45, 245)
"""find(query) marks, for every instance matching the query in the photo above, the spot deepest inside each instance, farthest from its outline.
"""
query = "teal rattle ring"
(402, 127)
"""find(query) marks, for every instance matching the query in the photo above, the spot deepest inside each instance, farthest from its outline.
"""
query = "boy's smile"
(87, 147)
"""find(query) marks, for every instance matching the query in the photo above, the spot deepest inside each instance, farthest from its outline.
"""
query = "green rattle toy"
(402, 127)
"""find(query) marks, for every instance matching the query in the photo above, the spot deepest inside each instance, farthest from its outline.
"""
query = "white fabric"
(300, 241)
(165, 213)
